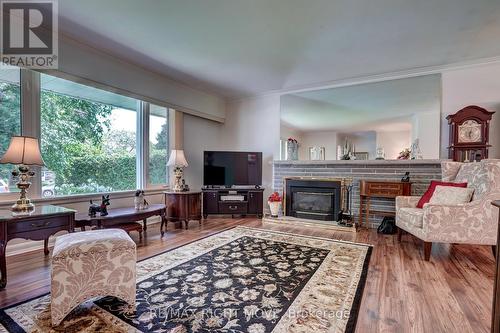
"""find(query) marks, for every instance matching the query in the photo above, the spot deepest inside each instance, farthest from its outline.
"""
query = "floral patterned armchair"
(471, 223)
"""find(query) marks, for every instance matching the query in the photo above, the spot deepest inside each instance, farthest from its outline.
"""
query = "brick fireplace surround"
(421, 173)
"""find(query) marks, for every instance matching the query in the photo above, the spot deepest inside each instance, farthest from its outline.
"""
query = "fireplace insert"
(313, 199)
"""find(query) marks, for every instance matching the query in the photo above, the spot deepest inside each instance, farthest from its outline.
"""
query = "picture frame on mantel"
(361, 155)
(317, 153)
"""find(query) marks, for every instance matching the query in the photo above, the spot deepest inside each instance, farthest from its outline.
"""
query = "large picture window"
(92, 140)
(10, 123)
(88, 139)
(158, 145)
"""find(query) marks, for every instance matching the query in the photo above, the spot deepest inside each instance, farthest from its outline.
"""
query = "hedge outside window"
(10, 124)
(158, 145)
(88, 139)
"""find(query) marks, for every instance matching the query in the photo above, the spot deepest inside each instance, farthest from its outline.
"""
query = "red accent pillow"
(430, 191)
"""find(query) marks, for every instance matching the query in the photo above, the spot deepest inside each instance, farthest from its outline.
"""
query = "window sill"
(84, 197)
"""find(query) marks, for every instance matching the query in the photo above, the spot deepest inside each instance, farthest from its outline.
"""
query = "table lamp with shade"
(23, 151)
(178, 161)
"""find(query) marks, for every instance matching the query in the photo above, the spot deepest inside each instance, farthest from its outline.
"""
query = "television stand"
(251, 202)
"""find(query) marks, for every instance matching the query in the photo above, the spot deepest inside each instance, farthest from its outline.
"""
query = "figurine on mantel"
(380, 153)
(406, 177)
(347, 152)
(416, 153)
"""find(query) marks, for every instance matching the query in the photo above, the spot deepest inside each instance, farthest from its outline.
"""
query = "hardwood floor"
(450, 293)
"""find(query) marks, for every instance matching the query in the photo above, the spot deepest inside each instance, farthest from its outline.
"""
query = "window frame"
(146, 122)
(30, 84)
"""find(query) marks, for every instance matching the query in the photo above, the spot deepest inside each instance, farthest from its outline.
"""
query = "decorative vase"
(274, 206)
(292, 151)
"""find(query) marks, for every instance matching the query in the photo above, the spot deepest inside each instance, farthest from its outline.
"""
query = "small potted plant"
(274, 202)
(404, 154)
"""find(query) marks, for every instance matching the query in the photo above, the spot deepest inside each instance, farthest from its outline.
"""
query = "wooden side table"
(182, 207)
(40, 224)
(381, 189)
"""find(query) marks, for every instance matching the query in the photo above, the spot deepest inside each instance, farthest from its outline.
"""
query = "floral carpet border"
(341, 253)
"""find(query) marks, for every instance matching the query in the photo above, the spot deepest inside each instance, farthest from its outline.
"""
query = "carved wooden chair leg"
(400, 234)
(427, 250)
(46, 246)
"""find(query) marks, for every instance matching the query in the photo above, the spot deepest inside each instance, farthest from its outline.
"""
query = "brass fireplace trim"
(344, 182)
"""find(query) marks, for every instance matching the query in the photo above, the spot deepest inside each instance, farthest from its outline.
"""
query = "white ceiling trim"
(439, 69)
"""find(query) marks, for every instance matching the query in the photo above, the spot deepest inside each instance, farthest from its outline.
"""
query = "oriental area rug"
(239, 280)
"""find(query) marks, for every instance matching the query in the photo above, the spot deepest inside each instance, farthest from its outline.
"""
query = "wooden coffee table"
(131, 226)
(123, 218)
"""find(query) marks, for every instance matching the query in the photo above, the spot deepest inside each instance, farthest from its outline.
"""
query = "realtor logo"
(29, 33)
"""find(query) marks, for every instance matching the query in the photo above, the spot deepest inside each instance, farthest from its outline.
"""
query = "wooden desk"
(381, 189)
(40, 224)
(182, 207)
(495, 315)
(117, 216)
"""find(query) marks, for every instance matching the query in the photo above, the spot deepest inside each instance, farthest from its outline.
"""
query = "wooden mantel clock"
(469, 134)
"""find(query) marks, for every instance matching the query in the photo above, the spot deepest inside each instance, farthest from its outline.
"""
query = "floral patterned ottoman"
(91, 264)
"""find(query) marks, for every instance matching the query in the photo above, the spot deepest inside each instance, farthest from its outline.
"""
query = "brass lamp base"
(23, 205)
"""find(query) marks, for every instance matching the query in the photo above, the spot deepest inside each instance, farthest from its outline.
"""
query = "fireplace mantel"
(421, 173)
(359, 162)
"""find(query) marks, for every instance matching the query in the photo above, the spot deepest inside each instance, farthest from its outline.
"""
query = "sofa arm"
(406, 201)
(474, 222)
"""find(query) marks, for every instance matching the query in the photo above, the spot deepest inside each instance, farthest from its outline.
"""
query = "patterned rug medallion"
(240, 280)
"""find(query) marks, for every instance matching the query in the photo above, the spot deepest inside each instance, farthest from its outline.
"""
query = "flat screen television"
(231, 168)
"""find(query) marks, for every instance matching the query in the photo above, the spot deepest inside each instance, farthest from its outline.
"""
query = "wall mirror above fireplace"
(368, 120)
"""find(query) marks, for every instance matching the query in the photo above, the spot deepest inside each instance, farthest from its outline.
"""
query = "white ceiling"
(240, 47)
(381, 106)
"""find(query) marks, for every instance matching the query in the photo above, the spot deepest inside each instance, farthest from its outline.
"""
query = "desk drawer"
(233, 207)
(390, 189)
(37, 224)
(39, 234)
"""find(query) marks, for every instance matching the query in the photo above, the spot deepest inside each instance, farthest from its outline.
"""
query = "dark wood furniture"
(182, 207)
(495, 316)
(40, 224)
(252, 203)
(381, 189)
(121, 218)
(132, 226)
(469, 134)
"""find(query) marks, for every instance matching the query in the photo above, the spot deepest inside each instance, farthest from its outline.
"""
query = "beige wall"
(327, 139)
(199, 135)
(426, 127)
(393, 142)
(253, 124)
(363, 141)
